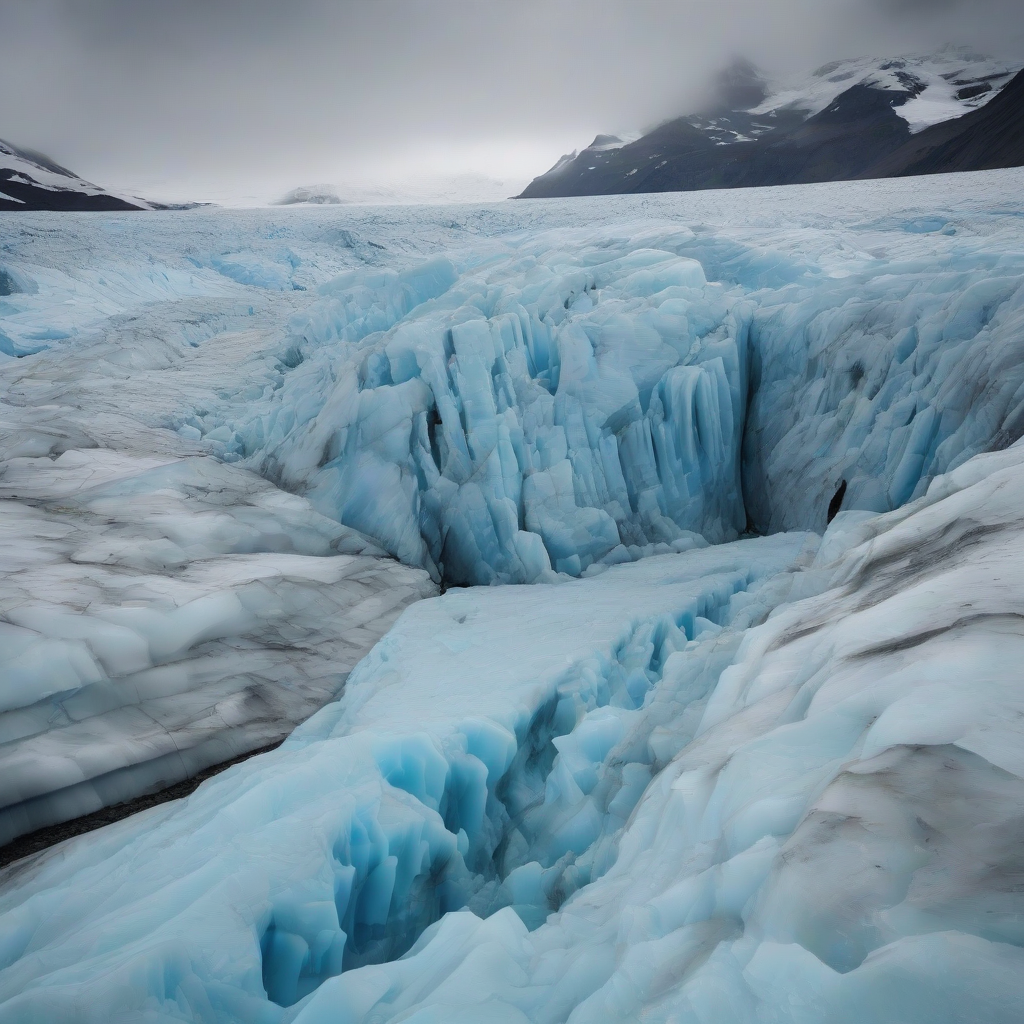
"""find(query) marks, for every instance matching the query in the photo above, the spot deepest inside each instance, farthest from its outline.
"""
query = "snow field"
(937, 80)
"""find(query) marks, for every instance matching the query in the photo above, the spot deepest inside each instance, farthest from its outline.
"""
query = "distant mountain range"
(864, 118)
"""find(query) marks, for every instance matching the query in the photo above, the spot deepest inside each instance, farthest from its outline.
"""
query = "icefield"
(666, 748)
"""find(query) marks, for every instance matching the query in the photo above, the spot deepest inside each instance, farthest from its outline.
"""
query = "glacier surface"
(740, 778)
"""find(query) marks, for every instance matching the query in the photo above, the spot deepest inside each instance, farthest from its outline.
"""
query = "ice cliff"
(589, 399)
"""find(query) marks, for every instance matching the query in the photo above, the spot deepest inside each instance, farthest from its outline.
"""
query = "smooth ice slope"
(646, 803)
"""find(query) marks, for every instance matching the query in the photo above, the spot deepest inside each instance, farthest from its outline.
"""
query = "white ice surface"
(163, 615)
(619, 797)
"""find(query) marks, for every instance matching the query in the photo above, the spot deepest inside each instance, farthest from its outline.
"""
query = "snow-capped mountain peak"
(937, 87)
(863, 117)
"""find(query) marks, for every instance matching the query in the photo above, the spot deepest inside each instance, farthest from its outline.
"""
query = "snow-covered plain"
(765, 779)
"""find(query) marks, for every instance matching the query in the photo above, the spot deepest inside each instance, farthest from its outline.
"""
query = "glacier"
(669, 745)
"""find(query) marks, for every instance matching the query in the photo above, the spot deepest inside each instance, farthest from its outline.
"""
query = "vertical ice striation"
(883, 378)
(545, 412)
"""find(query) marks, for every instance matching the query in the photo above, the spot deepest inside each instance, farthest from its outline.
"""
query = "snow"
(607, 143)
(682, 774)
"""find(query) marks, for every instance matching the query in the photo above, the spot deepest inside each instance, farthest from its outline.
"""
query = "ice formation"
(769, 779)
(585, 399)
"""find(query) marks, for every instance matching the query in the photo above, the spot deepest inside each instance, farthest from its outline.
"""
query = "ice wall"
(495, 393)
(647, 800)
(882, 378)
(542, 413)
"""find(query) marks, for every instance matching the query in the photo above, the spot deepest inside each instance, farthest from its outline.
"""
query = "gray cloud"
(186, 90)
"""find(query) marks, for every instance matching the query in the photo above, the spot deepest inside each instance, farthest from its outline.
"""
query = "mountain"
(849, 119)
(32, 181)
(982, 140)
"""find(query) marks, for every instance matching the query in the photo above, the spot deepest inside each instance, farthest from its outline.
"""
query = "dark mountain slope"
(850, 134)
(856, 130)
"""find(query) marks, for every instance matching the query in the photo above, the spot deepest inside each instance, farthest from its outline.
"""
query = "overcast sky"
(183, 95)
